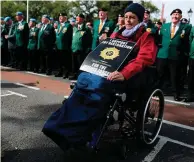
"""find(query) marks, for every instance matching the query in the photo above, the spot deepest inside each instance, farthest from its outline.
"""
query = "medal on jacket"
(82, 33)
(20, 27)
(106, 29)
(183, 34)
(64, 30)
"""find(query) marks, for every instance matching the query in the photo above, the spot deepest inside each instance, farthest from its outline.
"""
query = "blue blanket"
(83, 112)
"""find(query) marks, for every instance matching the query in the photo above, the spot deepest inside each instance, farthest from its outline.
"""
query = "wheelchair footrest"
(128, 132)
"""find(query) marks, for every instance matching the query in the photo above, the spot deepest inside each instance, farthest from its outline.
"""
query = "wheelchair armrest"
(121, 96)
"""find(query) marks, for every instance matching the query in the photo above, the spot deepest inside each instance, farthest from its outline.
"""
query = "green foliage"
(72, 8)
(114, 7)
(9, 8)
(150, 6)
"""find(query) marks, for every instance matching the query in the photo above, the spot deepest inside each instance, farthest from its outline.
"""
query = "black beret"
(147, 11)
(159, 22)
(103, 9)
(176, 11)
(137, 9)
(63, 14)
(81, 15)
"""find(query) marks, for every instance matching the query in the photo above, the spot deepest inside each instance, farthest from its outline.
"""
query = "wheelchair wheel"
(149, 119)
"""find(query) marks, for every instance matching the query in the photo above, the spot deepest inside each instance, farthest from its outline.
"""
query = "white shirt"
(80, 26)
(20, 22)
(44, 26)
(176, 28)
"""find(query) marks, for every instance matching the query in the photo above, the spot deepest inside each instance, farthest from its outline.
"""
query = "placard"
(107, 57)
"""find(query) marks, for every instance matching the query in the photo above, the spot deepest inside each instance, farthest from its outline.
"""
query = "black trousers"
(183, 62)
(4, 56)
(171, 66)
(191, 77)
(33, 59)
(77, 59)
(12, 60)
(63, 60)
(21, 57)
(46, 60)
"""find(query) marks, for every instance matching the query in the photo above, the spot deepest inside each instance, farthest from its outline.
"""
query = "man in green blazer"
(102, 28)
(63, 44)
(150, 27)
(191, 68)
(33, 58)
(175, 41)
(10, 37)
(22, 36)
(81, 44)
(120, 22)
(46, 41)
(4, 51)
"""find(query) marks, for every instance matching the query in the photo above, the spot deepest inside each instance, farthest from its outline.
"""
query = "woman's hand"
(116, 76)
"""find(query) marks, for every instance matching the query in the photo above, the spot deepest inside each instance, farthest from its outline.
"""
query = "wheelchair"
(142, 124)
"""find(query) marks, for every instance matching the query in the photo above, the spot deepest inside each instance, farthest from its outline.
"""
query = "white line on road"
(155, 151)
(17, 94)
(177, 142)
(178, 125)
(37, 74)
(176, 102)
(6, 95)
(4, 67)
(34, 88)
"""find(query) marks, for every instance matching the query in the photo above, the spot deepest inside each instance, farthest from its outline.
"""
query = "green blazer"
(108, 28)
(3, 33)
(151, 27)
(22, 34)
(178, 45)
(191, 39)
(33, 38)
(64, 36)
(46, 38)
(82, 39)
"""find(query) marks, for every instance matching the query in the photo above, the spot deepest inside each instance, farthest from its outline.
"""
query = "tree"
(9, 8)
(88, 8)
(150, 6)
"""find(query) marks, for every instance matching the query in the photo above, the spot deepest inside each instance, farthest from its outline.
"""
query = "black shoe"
(188, 99)
(73, 77)
(65, 75)
(42, 71)
(49, 72)
(177, 98)
(58, 75)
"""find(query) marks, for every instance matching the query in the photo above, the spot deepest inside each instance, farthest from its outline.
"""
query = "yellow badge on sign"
(82, 33)
(109, 53)
(149, 30)
(64, 30)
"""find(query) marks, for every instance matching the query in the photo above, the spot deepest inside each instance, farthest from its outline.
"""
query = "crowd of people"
(60, 47)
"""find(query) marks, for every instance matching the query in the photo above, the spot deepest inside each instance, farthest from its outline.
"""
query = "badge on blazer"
(109, 53)
(106, 29)
(82, 33)
(183, 34)
(21, 27)
(149, 30)
(33, 33)
(64, 30)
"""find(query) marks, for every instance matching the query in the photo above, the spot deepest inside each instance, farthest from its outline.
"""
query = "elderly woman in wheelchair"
(126, 97)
